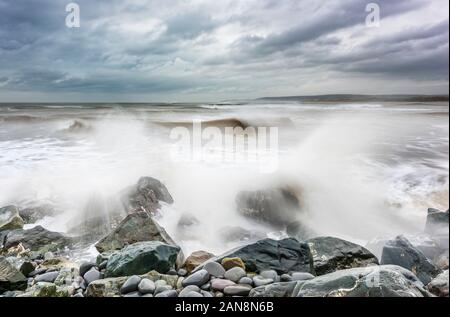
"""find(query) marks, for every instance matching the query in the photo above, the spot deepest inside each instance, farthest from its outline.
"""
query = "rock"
(196, 259)
(333, 254)
(206, 287)
(372, 281)
(220, 284)
(189, 289)
(67, 276)
(206, 294)
(37, 239)
(442, 261)
(10, 218)
(215, 269)
(85, 267)
(162, 289)
(137, 227)
(49, 277)
(171, 294)
(182, 272)
(37, 272)
(27, 267)
(274, 290)
(145, 196)
(261, 281)
(192, 294)
(229, 263)
(437, 221)
(238, 234)
(31, 214)
(92, 275)
(160, 283)
(299, 276)
(237, 290)
(146, 286)
(283, 256)
(286, 278)
(402, 253)
(439, 286)
(131, 285)
(44, 289)
(132, 294)
(198, 278)
(235, 274)
(299, 231)
(270, 274)
(10, 278)
(278, 207)
(246, 281)
(142, 257)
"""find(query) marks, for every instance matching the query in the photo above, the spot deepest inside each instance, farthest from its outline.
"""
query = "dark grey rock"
(10, 278)
(198, 278)
(285, 278)
(162, 289)
(131, 285)
(146, 286)
(237, 290)
(437, 221)
(85, 267)
(27, 267)
(49, 277)
(333, 254)
(274, 290)
(132, 294)
(92, 275)
(402, 253)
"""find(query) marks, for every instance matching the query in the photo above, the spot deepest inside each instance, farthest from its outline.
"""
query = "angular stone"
(229, 263)
(197, 258)
(10, 277)
(37, 239)
(439, 286)
(10, 218)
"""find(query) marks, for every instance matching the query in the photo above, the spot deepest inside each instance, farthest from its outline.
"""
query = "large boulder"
(146, 195)
(373, 281)
(10, 277)
(137, 227)
(402, 253)
(110, 287)
(37, 239)
(437, 221)
(10, 218)
(333, 254)
(439, 286)
(141, 258)
(274, 290)
(277, 207)
(284, 256)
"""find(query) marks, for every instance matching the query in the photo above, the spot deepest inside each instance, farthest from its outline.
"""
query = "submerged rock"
(333, 254)
(402, 253)
(278, 207)
(37, 239)
(284, 256)
(142, 257)
(10, 218)
(439, 286)
(10, 277)
(137, 227)
(146, 195)
(373, 281)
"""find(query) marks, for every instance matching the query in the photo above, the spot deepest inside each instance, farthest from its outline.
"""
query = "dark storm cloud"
(186, 46)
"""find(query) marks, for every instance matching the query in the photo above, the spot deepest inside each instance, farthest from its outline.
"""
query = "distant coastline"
(360, 98)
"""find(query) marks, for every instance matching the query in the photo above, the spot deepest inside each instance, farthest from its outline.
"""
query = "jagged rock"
(372, 281)
(274, 290)
(439, 286)
(402, 253)
(37, 239)
(10, 278)
(142, 257)
(333, 254)
(31, 214)
(10, 218)
(284, 256)
(437, 221)
(137, 227)
(278, 207)
(146, 195)
(195, 259)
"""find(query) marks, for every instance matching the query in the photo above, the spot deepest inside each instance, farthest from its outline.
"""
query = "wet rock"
(10, 278)
(283, 256)
(278, 207)
(333, 254)
(37, 239)
(142, 257)
(198, 278)
(274, 290)
(215, 269)
(299, 231)
(131, 285)
(437, 222)
(10, 218)
(146, 195)
(137, 227)
(229, 263)
(439, 285)
(402, 253)
(372, 281)
(197, 258)
(146, 286)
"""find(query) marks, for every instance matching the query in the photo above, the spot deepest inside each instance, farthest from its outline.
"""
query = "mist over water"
(360, 170)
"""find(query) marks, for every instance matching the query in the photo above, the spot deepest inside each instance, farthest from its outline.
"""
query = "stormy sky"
(205, 50)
